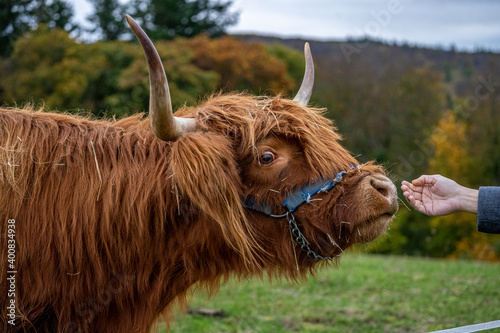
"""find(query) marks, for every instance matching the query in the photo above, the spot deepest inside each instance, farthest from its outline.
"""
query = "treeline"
(44, 62)
(414, 110)
(109, 78)
(163, 19)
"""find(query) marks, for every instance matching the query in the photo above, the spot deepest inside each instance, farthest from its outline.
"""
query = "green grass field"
(366, 293)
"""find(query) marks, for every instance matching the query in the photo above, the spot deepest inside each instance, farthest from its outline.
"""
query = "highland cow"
(106, 223)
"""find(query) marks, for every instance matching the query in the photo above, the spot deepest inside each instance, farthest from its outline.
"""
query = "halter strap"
(294, 200)
(297, 197)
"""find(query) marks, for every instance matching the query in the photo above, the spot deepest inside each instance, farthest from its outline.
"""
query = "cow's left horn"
(306, 87)
(164, 124)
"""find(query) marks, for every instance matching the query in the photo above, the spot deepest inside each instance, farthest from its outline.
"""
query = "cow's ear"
(205, 171)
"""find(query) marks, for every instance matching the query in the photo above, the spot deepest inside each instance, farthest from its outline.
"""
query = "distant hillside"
(325, 52)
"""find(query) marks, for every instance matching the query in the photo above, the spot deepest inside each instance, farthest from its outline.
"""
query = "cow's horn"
(306, 87)
(164, 124)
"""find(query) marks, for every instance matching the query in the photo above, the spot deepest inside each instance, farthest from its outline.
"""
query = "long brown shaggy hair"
(113, 225)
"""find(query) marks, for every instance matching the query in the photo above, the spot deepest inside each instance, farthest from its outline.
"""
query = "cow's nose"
(387, 189)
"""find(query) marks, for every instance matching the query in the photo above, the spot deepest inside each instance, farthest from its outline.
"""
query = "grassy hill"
(366, 293)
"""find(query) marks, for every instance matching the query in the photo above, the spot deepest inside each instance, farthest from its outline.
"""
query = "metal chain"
(302, 241)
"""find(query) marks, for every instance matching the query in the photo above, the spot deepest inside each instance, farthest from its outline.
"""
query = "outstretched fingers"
(413, 194)
(410, 189)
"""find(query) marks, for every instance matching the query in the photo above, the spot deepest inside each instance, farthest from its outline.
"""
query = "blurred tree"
(55, 14)
(188, 18)
(111, 77)
(19, 16)
(451, 156)
(13, 23)
(453, 235)
(47, 64)
(452, 159)
(385, 112)
(440, 236)
(187, 82)
(293, 60)
(108, 19)
(479, 106)
(140, 10)
(241, 66)
(108, 78)
(478, 246)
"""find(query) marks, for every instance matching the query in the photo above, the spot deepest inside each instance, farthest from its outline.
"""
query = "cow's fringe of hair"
(248, 119)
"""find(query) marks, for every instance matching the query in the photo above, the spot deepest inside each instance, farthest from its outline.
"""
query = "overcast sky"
(465, 24)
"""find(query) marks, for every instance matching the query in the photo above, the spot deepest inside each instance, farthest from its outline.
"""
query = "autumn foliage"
(110, 78)
(457, 233)
(241, 66)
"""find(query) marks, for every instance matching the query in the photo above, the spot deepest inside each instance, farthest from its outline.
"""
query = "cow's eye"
(267, 158)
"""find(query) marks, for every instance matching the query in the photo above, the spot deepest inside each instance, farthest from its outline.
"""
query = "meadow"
(365, 293)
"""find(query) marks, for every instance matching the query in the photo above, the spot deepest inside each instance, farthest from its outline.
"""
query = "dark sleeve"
(488, 210)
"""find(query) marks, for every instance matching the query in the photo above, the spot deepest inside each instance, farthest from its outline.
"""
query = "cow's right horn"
(164, 124)
(306, 87)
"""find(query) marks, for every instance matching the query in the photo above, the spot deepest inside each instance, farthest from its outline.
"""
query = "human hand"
(437, 195)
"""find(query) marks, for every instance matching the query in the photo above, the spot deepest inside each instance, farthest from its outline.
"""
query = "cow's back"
(77, 191)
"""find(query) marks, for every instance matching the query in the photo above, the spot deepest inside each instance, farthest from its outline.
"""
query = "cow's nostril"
(382, 186)
(382, 191)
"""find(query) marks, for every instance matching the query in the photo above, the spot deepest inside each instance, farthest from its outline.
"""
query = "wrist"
(468, 200)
